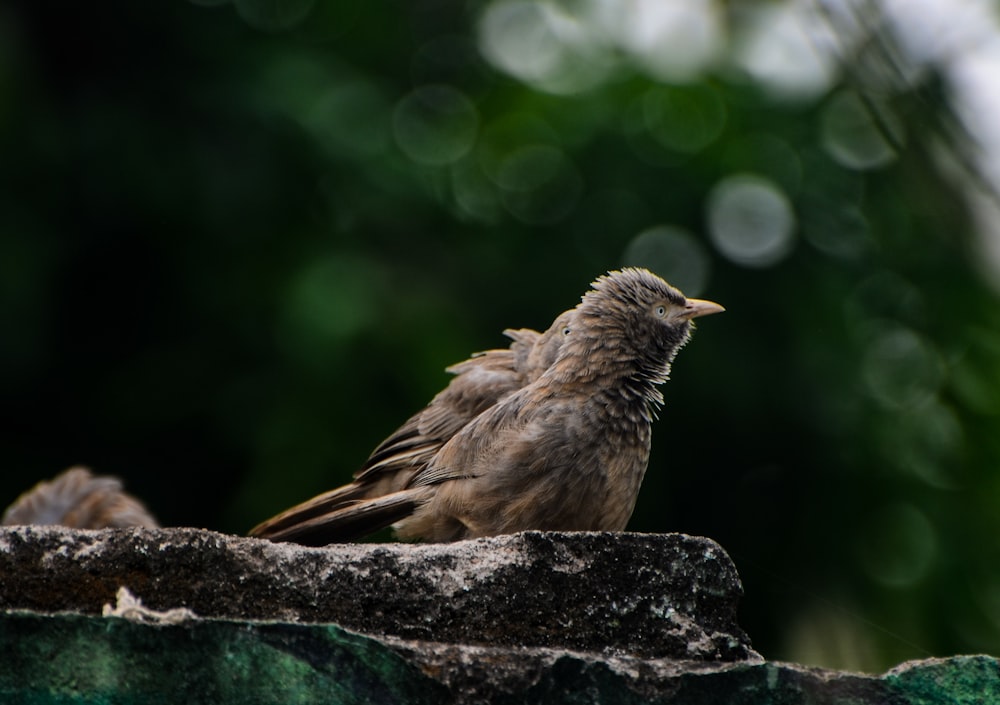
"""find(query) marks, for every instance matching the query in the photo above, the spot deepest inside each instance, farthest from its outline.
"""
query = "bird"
(78, 499)
(553, 434)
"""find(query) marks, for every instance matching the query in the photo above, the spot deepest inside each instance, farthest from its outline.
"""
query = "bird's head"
(636, 316)
(546, 350)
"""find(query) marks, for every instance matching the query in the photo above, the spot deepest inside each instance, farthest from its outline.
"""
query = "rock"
(72, 658)
(195, 616)
(653, 596)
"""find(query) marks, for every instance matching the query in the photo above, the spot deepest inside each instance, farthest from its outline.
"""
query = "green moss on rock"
(57, 659)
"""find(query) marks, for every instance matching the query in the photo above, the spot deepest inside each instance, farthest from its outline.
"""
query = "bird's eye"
(566, 330)
(660, 311)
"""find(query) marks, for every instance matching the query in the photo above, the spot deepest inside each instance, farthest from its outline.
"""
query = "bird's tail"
(340, 515)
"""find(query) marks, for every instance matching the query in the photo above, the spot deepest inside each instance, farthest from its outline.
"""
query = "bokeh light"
(541, 43)
(902, 370)
(787, 48)
(673, 40)
(684, 119)
(837, 229)
(928, 444)
(539, 184)
(898, 545)
(674, 254)
(435, 125)
(852, 136)
(751, 221)
(328, 302)
(476, 197)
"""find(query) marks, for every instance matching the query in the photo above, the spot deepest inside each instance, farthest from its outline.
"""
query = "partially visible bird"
(77, 499)
(479, 383)
(563, 447)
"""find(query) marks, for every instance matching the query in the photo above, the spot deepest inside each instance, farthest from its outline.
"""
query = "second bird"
(552, 434)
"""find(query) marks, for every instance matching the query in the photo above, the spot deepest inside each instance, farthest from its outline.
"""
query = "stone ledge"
(529, 618)
(653, 596)
(72, 658)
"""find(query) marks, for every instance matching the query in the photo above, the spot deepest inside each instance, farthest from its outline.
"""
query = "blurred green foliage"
(239, 242)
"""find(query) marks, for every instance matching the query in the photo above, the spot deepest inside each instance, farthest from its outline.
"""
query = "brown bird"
(79, 500)
(563, 446)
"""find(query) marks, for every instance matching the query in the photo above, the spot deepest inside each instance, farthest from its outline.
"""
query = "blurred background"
(240, 241)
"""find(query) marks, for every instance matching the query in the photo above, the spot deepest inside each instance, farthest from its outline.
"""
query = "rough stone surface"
(530, 618)
(653, 596)
(72, 658)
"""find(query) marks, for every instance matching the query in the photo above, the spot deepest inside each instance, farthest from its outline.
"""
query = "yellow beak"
(696, 308)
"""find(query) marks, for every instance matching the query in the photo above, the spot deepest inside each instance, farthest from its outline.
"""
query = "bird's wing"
(478, 384)
(472, 450)
(516, 466)
(481, 383)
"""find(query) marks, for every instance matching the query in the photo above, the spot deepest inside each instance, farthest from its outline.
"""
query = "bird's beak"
(696, 308)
